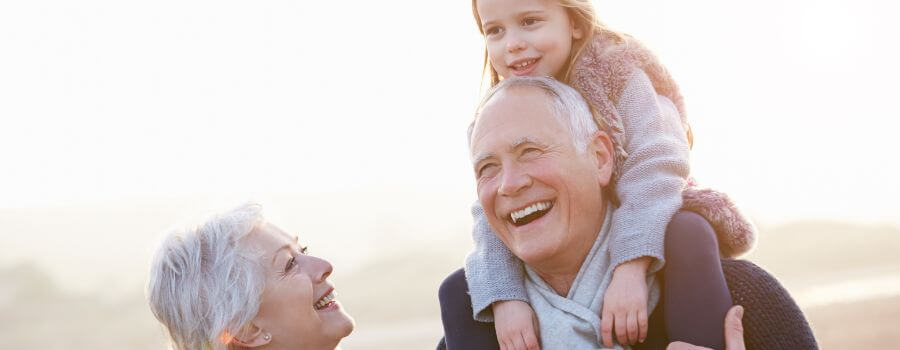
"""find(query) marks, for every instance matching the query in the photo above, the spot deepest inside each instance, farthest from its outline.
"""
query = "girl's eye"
(530, 21)
(492, 31)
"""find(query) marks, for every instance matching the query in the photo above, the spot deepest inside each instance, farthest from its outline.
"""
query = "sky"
(793, 104)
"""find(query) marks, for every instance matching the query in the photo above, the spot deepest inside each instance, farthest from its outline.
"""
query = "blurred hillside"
(846, 277)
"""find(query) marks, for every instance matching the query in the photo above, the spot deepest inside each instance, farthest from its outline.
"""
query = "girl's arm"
(492, 271)
(649, 189)
(653, 176)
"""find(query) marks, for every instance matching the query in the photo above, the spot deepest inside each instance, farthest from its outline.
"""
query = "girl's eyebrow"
(485, 24)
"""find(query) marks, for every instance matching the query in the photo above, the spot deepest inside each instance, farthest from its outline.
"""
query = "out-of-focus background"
(346, 120)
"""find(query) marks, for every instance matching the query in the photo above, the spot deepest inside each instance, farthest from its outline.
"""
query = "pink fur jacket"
(601, 73)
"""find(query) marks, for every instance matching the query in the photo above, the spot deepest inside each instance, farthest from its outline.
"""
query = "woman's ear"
(605, 155)
(252, 337)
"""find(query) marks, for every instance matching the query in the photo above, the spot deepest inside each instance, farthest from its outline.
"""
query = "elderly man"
(542, 166)
(540, 177)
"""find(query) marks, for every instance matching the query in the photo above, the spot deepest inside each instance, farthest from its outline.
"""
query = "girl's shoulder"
(610, 61)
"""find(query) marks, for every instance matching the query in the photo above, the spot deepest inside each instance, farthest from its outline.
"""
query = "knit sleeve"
(652, 177)
(492, 271)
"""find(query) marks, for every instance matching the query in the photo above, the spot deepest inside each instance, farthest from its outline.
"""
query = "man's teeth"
(325, 300)
(519, 214)
(523, 64)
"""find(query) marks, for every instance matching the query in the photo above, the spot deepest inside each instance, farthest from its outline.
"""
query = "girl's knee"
(690, 231)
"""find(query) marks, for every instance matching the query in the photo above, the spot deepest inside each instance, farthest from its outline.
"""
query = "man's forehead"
(517, 113)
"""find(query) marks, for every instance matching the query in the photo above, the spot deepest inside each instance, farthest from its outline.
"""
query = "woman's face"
(298, 309)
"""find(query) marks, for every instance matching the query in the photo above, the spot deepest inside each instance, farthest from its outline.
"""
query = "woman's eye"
(290, 264)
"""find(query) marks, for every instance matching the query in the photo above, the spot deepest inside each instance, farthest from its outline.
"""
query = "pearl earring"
(267, 337)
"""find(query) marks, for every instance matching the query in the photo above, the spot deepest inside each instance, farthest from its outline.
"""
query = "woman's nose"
(319, 269)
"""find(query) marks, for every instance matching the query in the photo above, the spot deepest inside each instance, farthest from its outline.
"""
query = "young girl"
(564, 39)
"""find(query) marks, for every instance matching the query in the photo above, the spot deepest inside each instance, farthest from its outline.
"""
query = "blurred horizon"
(843, 280)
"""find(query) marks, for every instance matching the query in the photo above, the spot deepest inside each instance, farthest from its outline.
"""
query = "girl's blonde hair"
(581, 12)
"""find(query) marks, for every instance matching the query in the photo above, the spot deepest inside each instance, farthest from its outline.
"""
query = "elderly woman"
(238, 282)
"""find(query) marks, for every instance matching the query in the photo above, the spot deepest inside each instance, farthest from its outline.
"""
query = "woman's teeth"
(327, 299)
(531, 209)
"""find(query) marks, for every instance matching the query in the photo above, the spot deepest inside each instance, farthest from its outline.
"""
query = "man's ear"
(602, 149)
(252, 337)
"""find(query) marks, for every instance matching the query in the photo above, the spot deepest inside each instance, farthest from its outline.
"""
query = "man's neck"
(560, 272)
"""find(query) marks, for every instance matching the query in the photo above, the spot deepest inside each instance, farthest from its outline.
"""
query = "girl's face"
(527, 37)
(298, 309)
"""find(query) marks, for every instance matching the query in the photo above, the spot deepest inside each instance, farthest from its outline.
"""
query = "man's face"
(540, 195)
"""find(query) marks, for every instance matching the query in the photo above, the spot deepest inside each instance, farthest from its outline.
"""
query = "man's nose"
(513, 181)
(318, 269)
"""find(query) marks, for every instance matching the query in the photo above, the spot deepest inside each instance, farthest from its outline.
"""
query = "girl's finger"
(643, 324)
(621, 326)
(606, 328)
(632, 326)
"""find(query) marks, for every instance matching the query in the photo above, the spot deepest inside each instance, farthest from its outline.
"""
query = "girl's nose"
(515, 45)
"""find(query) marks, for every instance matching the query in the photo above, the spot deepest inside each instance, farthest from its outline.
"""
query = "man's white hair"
(204, 284)
(569, 107)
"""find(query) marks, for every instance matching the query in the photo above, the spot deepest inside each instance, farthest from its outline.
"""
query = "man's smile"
(530, 213)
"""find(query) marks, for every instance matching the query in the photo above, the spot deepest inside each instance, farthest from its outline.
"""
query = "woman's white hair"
(204, 284)
(567, 105)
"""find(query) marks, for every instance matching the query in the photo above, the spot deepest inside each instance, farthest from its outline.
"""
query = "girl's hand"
(516, 325)
(625, 304)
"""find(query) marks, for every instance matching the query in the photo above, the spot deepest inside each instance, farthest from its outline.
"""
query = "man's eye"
(531, 152)
(487, 171)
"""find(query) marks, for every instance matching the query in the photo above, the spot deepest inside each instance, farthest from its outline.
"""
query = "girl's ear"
(252, 337)
(577, 31)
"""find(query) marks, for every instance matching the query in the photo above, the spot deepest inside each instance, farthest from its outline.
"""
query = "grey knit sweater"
(573, 321)
(649, 189)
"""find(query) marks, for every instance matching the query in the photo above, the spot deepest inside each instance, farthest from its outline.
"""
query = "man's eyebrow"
(482, 157)
(524, 140)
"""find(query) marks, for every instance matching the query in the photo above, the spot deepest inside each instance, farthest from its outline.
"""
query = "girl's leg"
(696, 295)
(461, 331)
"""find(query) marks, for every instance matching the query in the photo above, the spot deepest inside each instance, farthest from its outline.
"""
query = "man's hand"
(516, 325)
(734, 333)
(625, 304)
